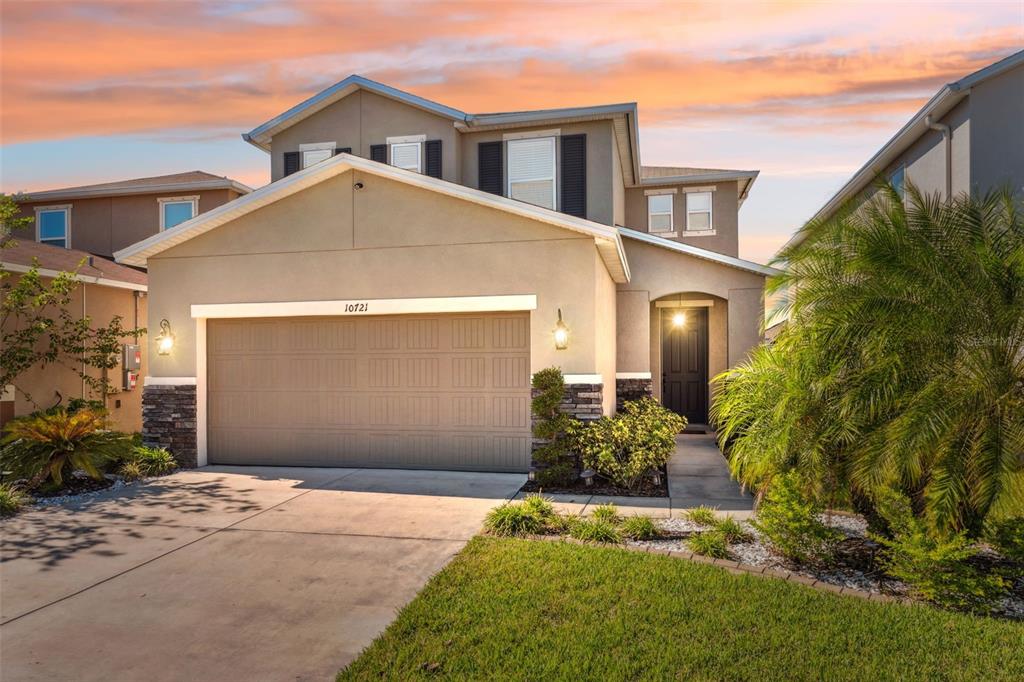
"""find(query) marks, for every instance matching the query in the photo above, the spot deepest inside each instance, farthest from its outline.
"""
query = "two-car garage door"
(423, 391)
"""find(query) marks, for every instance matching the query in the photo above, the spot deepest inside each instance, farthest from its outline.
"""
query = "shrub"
(606, 512)
(710, 543)
(558, 523)
(553, 428)
(147, 461)
(936, 568)
(513, 519)
(595, 530)
(790, 521)
(732, 530)
(539, 505)
(130, 470)
(1007, 537)
(52, 444)
(12, 499)
(632, 444)
(703, 515)
(640, 528)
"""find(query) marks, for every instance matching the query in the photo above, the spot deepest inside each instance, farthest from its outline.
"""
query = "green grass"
(520, 609)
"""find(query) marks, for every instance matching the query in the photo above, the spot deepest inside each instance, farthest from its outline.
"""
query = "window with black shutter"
(433, 152)
(291, 162)
(343, 150)
(574, 175)
(379, 152)
(489, 167)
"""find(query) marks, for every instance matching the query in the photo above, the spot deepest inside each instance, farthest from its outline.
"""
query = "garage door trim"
(367, 306)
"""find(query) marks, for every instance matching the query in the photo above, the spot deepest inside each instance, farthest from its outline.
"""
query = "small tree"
(555, 456)
(37, 327)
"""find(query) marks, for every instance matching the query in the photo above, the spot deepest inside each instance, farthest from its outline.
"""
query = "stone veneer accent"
(169, 421)
(582, 401)
(632, 389)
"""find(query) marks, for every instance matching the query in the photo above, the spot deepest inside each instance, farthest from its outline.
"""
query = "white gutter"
(698, 252)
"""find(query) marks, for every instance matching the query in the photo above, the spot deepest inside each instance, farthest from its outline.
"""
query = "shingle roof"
(21, 252)
(672, 171)
(189, 180)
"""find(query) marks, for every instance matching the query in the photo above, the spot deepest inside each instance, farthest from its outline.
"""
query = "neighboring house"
(107, 217)
(385, 300)
(107, 289)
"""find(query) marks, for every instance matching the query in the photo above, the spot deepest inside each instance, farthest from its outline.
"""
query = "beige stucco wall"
(104, 225)
(724, 212)
(605, 322)
(389, 240)
(600, 154)
(59, 382)
(363, 119)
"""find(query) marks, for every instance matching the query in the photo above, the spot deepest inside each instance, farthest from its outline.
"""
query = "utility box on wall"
(131, 363)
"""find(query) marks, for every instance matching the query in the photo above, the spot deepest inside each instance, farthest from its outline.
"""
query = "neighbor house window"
(698, 211)
(897, 180)
(316, 152)
(531, 170)
(53, 224)
(659, 213)
(176, 210)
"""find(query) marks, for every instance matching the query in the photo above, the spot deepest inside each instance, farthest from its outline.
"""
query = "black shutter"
(343, 150)
(489, 167)
(291, 162)
(433, 149)
(379, 152)
(574, 175)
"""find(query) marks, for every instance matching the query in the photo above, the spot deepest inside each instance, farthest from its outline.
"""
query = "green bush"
(49, 445)
(142, 461)
(631, 445)
(937, 569)
(732, 530)
(639, 528)
(130, 470)
(595, 530)
(789, 520)
(703, 515)
(553, 428)
(12, 499)
(606, 512)
(709, 543)
(1007, 538)
(513, 519)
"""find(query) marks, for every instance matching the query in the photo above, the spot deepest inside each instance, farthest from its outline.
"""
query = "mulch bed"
(602, 487)
(74, 486)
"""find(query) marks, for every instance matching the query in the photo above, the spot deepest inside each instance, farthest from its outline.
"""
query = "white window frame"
(671, 210)
(710, 229)
(510, 142)
(66, 208)
(407, 141)
(328, 147)
(163, 201)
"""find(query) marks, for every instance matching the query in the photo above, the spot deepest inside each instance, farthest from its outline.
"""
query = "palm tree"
(902, 365)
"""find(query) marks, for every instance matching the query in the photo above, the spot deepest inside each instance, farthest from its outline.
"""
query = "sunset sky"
(804, 92)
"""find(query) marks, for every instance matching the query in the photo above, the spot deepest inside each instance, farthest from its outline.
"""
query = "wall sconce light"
(164, 340)
(679, 319)
(561, 333)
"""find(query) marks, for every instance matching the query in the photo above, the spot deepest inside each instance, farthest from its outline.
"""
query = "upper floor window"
(898, 179)
(53, 225)
(176, 210)
(316, 152)
(698, 211)
(407, 155)
(659, 213)
(531, 170)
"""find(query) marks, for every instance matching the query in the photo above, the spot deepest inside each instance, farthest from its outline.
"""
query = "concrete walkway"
(228, 573)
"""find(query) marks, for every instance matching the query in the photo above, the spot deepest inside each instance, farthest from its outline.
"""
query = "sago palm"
(902, 364)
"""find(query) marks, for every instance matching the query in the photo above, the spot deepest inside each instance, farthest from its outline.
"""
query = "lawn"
(519, 609)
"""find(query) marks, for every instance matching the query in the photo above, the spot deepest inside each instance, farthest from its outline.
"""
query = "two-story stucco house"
(385, 300)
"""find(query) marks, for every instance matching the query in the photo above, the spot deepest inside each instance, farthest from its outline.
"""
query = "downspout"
(947, 135)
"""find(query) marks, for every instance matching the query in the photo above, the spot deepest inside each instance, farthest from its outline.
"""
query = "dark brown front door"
(684, 363)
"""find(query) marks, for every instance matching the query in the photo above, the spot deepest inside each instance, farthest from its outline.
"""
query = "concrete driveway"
(228, 573)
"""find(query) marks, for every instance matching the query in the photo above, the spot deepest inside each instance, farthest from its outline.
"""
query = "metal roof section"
(606, 238)
(698, 252)
(188, 181)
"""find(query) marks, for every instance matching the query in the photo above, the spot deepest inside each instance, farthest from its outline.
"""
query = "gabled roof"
(938, 106)
(189, 181)
(697, 252)
(20, 257)
(663, 175)
(606, 237)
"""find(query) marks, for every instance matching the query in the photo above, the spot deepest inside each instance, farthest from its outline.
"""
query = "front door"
(684, 362)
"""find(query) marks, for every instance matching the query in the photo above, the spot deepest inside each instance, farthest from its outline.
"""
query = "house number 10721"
(356, 307)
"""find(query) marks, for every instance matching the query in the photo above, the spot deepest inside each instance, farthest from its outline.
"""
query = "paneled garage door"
(428, 392)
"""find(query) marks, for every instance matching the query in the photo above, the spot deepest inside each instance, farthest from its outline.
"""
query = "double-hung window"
(659, 213)
(176, 210)
(53, 223)
(531, 170)
(406, 151)
(315, 152)
(698, 212)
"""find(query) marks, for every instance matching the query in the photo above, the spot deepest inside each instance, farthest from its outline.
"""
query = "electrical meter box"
(131, 356)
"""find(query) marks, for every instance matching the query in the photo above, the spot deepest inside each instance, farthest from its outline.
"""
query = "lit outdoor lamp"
(561, 333)
(164, 340)
(679, 319)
